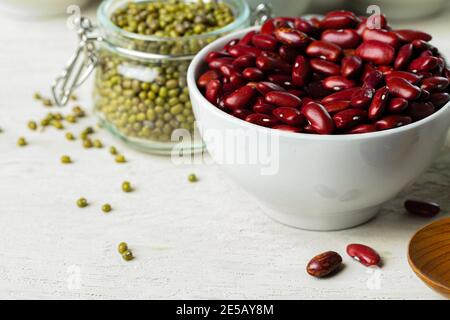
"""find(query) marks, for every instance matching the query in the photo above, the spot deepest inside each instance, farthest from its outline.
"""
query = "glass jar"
(140, 93)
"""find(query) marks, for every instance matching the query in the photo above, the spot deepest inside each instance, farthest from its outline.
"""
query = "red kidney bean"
(385, 69)
(285, 127)
(339, 20)
(408, 76)
(362, 128)
(240, 50)
(283, 99)
(227, 70)
(318, 117)
(214, 55)
(260, 119)
(423, 64)
(291, 37)
(362, 97)
(265, 63)
(270, 25)
(341, 95)
(381, 35)
(344, 38)
(338, 83)
(300, 71)
(261, 106)
(376, 52)
(240, 98)
(420, 110)
(379, 103)
(206, 77)
(235, 81)
(266, 86)
(439, 99)
(265, 41)
(397, 105)
(325, 67)
(241, 113)
(435, 84)
(288, 53)
(424, 95)
(363, 254)
(403, 56)
(336, 106)
(324, 264)
(253, 74)
(247, 39)
(218, 62)
(290, 116)
(392, 121)
(305, 26)
(348, 118)
(280, 79)
(213, 91)
(245, 61)
(373, 79)
(296, 92)
(411, 35)
(401, 88)
(316, 90)
(422, 208)
(324, 50)
(351, 66)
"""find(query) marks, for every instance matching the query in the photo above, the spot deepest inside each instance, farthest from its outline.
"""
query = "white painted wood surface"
(203, 240)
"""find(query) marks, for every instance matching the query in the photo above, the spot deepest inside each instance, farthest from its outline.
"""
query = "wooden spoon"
(429, 255)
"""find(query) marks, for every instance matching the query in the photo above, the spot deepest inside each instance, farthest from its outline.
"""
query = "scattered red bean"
(324, 264)
(364, 254)
(342, 74)
(422, 208)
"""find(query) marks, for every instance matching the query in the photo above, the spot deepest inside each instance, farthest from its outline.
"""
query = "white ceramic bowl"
(319, 182)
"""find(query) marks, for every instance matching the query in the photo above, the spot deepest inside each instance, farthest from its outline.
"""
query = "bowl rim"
(198, 60)
(412, 262)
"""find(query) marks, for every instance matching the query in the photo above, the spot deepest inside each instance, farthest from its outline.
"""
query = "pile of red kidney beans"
(342, 74)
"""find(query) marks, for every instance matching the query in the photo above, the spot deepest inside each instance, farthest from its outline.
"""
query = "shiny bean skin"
(218, 62)
(336, 106)
(408, 76)
(213, 90)
(439, 99)
(381, 35)
(265, 41)
(362, 97)
(422, 208)
(262, 120)
(351, 66)
(404, 56)
(266, 86)
(206, 77)
(305, 26)
(420, 110)
(301, 71)
(324, 50)
(318, 118)
(376, 52)
(344, 38)
(240, 49)
(270, 25)
(241, 113)
(291, 37)
(288, 53)
(283, 99)
(373, 79)
(240, 98)
(401, 88)
(411, 35)
(280, 79)
(363, 254)
(435, 84)
(267, 64)
(379, 103)
(325, 67)
(245, 61)
(287, 115)
(246, 40)
(423, 64)
(392, 121)
(339, 20)
(348, 118)
(253, 74)
(397, 105)
(338, 83)
(341, 95)
(215, 55)
(261, 106)
(362, 128)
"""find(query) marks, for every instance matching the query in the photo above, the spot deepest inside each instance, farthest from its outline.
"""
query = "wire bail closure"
(262, 13)
(80, 65)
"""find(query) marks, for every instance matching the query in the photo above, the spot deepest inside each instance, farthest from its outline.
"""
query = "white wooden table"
(203, 240)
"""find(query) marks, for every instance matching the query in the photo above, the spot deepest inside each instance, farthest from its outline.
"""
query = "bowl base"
(320, 222)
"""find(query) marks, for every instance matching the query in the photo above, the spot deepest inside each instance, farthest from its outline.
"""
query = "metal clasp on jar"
(80, 65)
